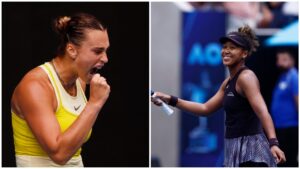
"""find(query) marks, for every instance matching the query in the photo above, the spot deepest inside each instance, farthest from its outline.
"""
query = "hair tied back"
(61, 24)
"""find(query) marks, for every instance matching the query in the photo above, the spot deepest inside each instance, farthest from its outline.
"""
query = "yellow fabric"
(26, 143)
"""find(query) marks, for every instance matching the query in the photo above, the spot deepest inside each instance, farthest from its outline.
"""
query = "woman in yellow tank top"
(50, 115)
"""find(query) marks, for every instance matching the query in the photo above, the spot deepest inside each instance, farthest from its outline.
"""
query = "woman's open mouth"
(94, 70)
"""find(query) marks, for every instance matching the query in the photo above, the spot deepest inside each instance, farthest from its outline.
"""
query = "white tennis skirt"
(39, 161)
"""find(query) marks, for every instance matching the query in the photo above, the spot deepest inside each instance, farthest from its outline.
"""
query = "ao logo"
(205, 55)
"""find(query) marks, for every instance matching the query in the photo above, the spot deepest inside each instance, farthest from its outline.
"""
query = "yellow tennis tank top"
(25, 142)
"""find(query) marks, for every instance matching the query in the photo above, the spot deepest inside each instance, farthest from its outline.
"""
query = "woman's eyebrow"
(98, 49)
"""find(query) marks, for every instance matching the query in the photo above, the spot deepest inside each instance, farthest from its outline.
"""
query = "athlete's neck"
(234, 69)
(65, 73)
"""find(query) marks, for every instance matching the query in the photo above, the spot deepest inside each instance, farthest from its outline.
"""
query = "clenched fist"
(99, 90)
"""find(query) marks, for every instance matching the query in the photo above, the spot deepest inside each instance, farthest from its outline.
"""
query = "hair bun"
(247, 31)
(61, 24)
(250, 36)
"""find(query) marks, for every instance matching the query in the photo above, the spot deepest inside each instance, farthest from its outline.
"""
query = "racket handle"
(167, 109)
(163, 106)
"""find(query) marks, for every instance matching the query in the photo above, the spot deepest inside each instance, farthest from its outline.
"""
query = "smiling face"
(232, 54)
(91, 54)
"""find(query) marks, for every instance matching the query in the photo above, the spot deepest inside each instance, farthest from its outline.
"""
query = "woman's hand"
(99, 90)
(278, 154)
(162, 96)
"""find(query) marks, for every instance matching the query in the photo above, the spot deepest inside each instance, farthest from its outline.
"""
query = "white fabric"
(38, 161)
(74, 104)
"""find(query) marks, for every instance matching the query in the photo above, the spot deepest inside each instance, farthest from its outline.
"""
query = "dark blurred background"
(120, 136)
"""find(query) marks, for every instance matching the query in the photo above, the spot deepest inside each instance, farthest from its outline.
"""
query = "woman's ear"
(245, 54)
(71, 50)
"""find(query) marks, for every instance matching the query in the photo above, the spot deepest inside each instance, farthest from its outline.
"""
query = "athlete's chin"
(226, 63)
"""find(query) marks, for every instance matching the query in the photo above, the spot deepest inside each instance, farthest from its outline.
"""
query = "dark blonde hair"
(70, 29)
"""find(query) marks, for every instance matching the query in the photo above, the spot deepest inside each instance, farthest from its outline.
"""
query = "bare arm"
(35, 103)
(199, 109)
(249, 85)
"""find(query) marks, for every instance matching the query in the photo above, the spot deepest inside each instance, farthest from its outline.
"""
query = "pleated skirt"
(253, 148)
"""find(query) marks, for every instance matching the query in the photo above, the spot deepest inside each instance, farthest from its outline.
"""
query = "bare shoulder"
(35, 77)
(224, 83)
(34, 85)
(247, 78)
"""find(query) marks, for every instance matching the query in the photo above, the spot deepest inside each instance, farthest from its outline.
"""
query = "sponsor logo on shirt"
(76, 108)
(230, 94)
(282, 85)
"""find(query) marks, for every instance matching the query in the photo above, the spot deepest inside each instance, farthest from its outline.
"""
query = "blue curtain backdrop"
(202, 138)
